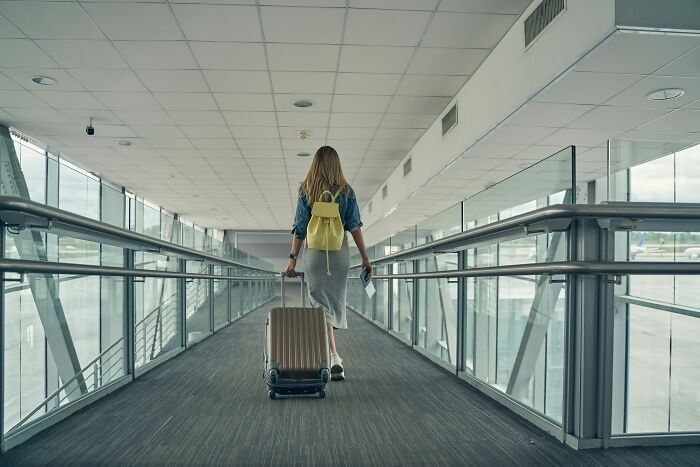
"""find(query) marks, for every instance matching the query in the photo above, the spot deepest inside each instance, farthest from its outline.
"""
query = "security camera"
(90, 130)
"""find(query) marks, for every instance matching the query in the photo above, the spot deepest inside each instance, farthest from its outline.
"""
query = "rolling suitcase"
(297, 359)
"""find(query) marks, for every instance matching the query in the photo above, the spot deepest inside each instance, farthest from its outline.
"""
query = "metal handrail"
(48, 267)
(65, 385)
(16, 211)
(520, 222)
(556, 268)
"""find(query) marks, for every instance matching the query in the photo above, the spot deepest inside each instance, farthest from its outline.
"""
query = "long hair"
(325, 173)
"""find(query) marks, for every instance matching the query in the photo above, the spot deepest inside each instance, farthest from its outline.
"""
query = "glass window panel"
(197, 294)
(220, 299)
(402, 300)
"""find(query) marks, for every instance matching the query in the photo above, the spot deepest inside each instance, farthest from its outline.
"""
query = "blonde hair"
(324, 174)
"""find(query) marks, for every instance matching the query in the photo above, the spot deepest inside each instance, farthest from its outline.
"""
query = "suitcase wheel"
(271, 394)
(321, 393)
(273, 376)
(324, 375)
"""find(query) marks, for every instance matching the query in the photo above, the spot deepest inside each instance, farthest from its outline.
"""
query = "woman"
(327, 291)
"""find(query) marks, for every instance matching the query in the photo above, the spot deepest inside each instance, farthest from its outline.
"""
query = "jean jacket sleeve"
(301, 218)
(352, 219)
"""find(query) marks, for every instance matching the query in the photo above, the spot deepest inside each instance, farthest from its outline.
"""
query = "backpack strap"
(320, 198)
(333, 197)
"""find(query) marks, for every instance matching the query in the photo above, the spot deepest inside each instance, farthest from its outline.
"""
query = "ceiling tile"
(156, 54)
(321, 3)
(157, 131)
(419, 105)
(236, 101)
(302, 57)
(51, 20)
(351, 133)
(364, 83)
(143, 117)
(586, 88)
(639, 53)
(128, 100)
(83, 53)
(442, 61)
(134, 21)
(394, 144)
(687, 65)
(219, 22)
(7, 83)
(237, 81)
(355, 120)
(302, 118)
(8, 30)
(108, 80)
(577, 137)
(425, 85)
(466, 30)
(285, 102)
(617, 118)
(197, 117)
(408, 120)
(23, 53)
(36, 116)
(215, 143)
(302, 82)
(100, 118)
(255, 132)
(385, 27)
(679, 121)
(302, 25)
(229, 55)
(20, 98)
(510, 134)
(504, 7)
(399, 133)
(205, 131)
(246, 144)
(168, 144)
(186, 100)
(250, 118)
(173, 80)
(23, 76)
(547, 114)
(358, 103)
(635, 96)
(368, 59)
(69, 100)
(427, 5)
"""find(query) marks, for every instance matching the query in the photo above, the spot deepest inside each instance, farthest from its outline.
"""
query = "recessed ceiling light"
(303, 154)
(303, 103)
(665, 94)
(44, 80)
(124, 142)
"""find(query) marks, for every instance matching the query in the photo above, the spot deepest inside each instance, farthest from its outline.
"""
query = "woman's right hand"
(367, 265)
(291, 266)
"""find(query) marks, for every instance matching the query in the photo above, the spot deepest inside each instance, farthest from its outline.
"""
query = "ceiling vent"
(540, 18)
(407, 167)
(385, 191)
(449, 120)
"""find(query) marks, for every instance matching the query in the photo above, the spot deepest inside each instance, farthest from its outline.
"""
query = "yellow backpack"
(325, 230)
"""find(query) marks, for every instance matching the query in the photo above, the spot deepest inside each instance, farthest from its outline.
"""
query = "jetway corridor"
(209, 406)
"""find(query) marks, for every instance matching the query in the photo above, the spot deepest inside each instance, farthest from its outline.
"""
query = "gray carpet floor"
(209, 406)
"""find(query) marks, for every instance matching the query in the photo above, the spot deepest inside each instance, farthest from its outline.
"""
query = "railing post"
(129, 316)
(228, 294)
(182, 283)
(414, 305)
(461, 311)
(2, 343)
(210, 270)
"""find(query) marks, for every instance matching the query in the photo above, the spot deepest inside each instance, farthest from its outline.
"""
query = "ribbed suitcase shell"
(297, 342)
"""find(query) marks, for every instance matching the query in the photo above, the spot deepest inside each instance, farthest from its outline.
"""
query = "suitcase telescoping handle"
(301, 283)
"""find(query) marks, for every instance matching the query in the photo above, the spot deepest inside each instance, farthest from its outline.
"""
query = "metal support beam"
(30, 246)
(2, 343)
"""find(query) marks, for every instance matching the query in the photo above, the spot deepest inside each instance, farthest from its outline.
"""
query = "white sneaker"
(337, 370)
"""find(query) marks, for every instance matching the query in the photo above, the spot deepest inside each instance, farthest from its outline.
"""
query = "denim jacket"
(349, 213)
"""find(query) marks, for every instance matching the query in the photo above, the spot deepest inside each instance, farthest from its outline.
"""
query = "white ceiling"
(600, 98)
(205, 89)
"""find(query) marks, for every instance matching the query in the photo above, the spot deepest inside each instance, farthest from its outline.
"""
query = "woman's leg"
(331, 338)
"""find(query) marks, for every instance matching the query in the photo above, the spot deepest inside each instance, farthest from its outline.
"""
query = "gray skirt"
(328, 292)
